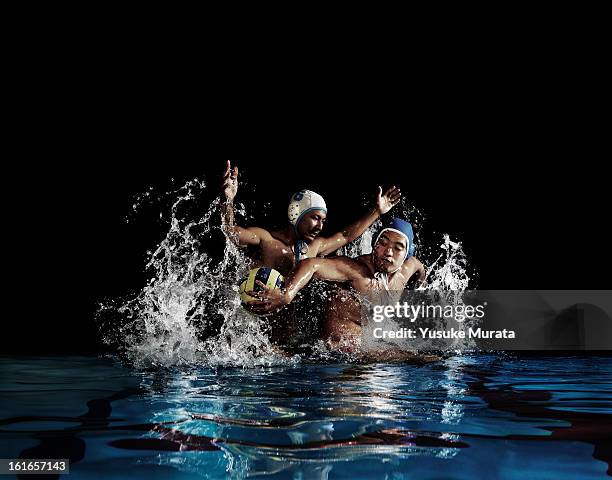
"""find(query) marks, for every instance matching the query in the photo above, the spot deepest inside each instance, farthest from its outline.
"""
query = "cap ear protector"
(402, 227)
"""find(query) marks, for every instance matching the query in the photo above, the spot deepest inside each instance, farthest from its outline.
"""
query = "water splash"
(191, 293)
(189, 311)
(449, 270)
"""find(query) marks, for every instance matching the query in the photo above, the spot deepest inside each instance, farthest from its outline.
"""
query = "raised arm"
(238, 235)
(339, 269)
(384, 203)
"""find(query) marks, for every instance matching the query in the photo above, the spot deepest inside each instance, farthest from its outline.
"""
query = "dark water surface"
(467, 417)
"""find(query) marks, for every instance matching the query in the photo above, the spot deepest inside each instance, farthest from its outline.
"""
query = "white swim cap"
(303, 202)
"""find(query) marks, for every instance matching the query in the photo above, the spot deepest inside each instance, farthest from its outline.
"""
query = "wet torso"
(343, 322)
(277, 251)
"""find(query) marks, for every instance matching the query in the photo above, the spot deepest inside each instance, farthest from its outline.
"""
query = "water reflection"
(290, 419)
(467, 413)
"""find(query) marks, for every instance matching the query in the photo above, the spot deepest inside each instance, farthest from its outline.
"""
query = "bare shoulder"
(362, 264)
(411, 265)
(263, 234)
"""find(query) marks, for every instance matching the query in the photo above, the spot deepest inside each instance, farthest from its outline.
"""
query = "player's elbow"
(311, 264)
(347, 236)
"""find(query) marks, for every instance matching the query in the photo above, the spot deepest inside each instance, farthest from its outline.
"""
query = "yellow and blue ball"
(271, 278)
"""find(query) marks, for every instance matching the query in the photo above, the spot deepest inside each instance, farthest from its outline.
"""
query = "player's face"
(311, 224)
(389, 252)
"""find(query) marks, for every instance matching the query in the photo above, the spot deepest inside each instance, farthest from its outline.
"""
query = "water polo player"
(300, 239)
(388, 268)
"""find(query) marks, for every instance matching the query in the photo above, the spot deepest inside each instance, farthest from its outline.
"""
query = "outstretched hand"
(230, 181)
(386, 202)
(268, 300)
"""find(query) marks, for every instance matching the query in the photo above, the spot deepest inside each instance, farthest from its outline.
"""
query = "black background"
(525, 196)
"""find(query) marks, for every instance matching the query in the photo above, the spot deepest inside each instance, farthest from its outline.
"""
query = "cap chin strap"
(300, 248)
(383, 279)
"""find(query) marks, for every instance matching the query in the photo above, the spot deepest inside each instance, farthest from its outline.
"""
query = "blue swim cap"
(402, 227)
